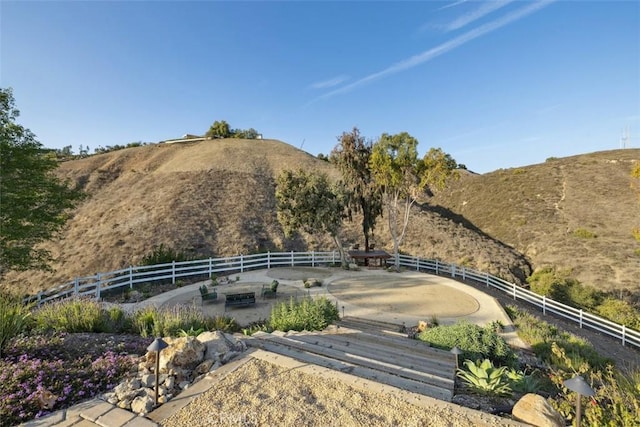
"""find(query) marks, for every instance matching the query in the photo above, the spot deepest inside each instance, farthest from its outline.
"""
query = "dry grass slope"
(216, 198)
(576, 213)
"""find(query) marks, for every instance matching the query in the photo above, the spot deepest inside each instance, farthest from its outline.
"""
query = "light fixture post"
(456, 351)
(157, 345)
(580, 386)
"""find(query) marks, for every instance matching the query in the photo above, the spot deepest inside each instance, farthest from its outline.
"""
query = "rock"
(215, 343)
(422, 326)
(228, 356)
(182, 353)
(535, 410)
(148, 380)
(124, 404)
(184, 385)
(170, 382)
(142, 405)
(204, 367)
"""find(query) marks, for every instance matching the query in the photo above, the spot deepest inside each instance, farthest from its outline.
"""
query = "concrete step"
(380, 358)
(378, 350)
(355, 367)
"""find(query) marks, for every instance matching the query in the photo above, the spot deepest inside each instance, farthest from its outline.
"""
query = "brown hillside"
(216, 198)
(547, 211)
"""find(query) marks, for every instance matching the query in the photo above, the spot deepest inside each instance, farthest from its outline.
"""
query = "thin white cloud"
(454, 4)
(428, 55)
(325, 84)
(484, 9)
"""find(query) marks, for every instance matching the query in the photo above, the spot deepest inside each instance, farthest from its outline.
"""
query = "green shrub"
(475, 342)
(554, 284)
(522, 382)
(70, 315)
(620, 311)
(484, 378)
(165, 322)
(311, 314)
(617, 396)
(222, 323)
(583, 233)
(543, 336)
(163, 255)
(14, 317)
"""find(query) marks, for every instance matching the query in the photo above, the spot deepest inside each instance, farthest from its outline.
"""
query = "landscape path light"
(456, 351)
(580, 386)
(157, 345)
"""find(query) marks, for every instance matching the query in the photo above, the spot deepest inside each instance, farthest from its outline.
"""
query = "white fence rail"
(207, 268)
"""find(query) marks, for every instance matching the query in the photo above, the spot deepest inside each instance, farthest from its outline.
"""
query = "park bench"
(208, 295)
(269, 291)
(234, 300)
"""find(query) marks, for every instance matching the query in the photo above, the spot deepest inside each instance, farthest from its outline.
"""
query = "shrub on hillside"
(164, 255)
(620, 311)
(310, 314)
(475, 342)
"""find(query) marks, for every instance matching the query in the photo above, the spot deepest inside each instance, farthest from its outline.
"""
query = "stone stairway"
(372, 350)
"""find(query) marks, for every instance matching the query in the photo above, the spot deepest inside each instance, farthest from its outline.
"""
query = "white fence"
(207, 268)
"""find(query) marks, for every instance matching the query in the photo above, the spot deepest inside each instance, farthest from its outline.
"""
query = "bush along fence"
(94, 286)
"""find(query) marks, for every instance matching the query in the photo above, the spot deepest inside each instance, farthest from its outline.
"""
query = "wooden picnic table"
(379, 258)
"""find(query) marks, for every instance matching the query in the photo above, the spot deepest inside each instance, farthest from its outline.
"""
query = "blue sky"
(496, 84)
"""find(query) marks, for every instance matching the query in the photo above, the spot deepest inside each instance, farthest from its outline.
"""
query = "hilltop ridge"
(217, 198)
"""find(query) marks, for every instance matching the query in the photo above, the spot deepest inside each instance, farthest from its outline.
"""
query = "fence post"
(241, 263)
(453, 271)
(417, 263)
(624, 335)
(514, 291)
(268, 260)
(580, 319)
(292, 263)
(210, 267)
(464, 274)
(436, 267)
(98, 286)
(130, 277)
(544, 304)
(486, 279)
(173, 272)
(39, 298)
(313, 259)
(76, 283)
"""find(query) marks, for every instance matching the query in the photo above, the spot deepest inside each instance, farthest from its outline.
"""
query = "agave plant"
(522, 382)
(485, 378)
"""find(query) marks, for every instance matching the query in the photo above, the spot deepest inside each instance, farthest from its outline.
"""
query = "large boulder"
(217, 343)
(535, 410)
(180, 358)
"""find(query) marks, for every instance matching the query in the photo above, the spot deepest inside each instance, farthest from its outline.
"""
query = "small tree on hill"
(308, 202)
(219, 129)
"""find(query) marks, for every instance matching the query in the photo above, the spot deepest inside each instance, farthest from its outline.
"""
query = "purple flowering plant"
(43, 373)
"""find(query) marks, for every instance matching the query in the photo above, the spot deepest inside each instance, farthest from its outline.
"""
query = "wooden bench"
(234, 300)
(208, 295)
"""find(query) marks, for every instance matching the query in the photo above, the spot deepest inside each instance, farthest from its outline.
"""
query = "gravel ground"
(260, 393)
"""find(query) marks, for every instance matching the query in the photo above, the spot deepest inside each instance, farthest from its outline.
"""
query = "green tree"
(401, 178)
(309, 202)
(351, 156)
(395, 167)
(219, 129)
(33, 201)
(250, 133)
